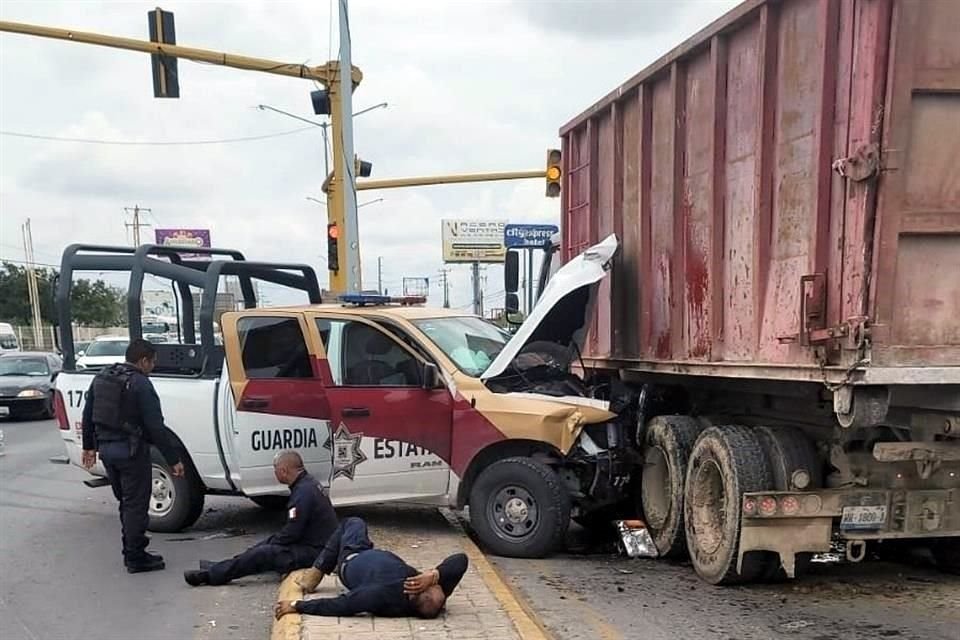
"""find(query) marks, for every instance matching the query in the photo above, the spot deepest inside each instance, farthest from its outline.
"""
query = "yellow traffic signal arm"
(325, 73)
(423, 181)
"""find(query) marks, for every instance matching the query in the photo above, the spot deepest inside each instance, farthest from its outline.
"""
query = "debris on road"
(635, 539)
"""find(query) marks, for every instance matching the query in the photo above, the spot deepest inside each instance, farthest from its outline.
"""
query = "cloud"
(472, 86)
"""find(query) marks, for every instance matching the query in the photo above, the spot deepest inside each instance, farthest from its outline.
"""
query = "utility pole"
(343, 158)
(477, 301)
(380, 274)
(32, 289)
(136, 224)
(445, 285)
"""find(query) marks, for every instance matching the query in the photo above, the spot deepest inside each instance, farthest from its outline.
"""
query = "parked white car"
(103, 351)
(8, 338)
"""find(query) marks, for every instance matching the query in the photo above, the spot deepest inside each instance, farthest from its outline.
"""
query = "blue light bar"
(376, 299)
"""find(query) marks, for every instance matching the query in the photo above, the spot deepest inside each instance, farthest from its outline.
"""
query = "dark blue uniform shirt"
(310, 515)
(375, 579)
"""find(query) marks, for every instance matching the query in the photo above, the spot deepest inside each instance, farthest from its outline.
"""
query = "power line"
(153, 143)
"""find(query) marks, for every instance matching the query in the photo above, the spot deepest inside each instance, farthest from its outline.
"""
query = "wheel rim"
(656, 488)
(514, 513)
(163, 493)
(708, 507)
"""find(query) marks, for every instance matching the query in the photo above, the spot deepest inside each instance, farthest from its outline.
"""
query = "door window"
(273, 347)
(363, 356)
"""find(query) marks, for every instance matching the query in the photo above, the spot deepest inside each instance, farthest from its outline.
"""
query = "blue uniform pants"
(131, 479)
(262, 558)
(348, 538)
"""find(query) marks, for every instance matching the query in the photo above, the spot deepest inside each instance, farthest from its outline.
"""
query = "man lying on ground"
(310, 522)
(378, 582)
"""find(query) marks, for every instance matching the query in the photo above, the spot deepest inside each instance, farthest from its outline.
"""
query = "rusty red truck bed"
(786, 188)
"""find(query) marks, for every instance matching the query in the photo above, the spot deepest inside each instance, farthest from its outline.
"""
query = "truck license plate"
(4, 411)
(860, 518)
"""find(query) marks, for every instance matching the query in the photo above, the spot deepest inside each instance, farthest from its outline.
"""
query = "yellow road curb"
(288, 627)
(524, 620)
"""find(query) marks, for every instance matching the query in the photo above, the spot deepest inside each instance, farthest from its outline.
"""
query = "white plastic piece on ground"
(636, 542)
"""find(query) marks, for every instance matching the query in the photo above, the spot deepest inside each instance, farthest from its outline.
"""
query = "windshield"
(470, 342)
(106, 348)
(11, 366)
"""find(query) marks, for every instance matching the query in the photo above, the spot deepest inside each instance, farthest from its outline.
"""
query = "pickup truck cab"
(389, 401)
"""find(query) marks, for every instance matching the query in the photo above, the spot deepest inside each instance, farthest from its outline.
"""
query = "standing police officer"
(121, 420)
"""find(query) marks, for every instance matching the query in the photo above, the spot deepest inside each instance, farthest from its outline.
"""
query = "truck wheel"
(175, 503)
(789, 451)
(946, 553)
(270, 503)
(520, 508)
(726, 462)
(669, 440)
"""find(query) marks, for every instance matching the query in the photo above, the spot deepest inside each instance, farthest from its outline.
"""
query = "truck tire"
(669, 440)
(726, 462)
(175, 503)
(270, 503)
(788, 451)
(520, 508)
(946, 553)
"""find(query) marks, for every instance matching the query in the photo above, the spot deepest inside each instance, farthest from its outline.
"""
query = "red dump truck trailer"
(785, 186)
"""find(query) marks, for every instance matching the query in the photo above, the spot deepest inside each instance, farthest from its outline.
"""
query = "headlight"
(30, 393)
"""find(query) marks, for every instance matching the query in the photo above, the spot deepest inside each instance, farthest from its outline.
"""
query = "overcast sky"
(471, 86)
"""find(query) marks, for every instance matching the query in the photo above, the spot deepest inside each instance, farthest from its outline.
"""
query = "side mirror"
(431, 376)
(511, 273)
(511, 303)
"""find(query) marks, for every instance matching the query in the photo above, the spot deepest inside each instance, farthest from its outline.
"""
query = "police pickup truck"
(385, 399)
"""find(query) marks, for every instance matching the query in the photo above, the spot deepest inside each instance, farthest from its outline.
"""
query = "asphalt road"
(600, 596)
(61, 572)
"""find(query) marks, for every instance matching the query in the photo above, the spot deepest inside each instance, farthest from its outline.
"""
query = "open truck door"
(278, 395)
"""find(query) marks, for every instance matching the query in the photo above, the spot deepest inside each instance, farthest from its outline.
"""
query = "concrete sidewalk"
(482, 607)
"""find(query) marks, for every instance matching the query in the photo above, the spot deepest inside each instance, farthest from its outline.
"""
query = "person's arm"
(152, 415)
(374, 599)
(451, 572)
(298, 513)
(447, 574)
(89, 431)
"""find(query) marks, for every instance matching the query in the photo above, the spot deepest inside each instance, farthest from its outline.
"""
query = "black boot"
(144, 562)
(195, 577)
(205, 564)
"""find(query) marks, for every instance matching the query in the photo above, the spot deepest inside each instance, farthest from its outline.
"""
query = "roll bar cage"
(179, 265)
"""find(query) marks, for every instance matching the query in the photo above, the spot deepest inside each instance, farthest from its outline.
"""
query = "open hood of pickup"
(562, 313)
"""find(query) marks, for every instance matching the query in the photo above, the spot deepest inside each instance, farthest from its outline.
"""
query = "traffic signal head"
(321, 102)
(554, 172)
(333, 255)
(362, 168)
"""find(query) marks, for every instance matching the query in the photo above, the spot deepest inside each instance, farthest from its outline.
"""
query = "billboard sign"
(190, 238)
(528, 236)
(473, 240)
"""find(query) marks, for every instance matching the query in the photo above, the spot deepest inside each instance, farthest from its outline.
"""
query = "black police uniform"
(310, 522)
(121, 419)
(374, 577)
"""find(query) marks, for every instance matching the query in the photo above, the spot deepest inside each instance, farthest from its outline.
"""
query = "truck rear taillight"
(60, 410)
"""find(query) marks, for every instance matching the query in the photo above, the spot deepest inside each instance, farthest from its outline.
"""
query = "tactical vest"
(112, 403)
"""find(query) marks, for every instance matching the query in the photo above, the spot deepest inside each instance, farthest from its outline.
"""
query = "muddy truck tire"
(520, 508)
(175, 503)
(668, 442)
(726, 462)
(791, 455)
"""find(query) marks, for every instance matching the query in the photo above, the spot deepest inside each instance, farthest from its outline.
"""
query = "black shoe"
(196, 578)
(153, 557)
(145, 564)
(205, 564)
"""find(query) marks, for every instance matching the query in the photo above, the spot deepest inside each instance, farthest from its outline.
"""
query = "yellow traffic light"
(554, 172)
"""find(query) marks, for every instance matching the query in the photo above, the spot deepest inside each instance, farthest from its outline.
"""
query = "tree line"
(94, 302)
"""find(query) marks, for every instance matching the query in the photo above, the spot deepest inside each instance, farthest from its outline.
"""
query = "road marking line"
(524, 619)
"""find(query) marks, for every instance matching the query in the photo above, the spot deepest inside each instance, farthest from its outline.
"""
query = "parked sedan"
(26, 384)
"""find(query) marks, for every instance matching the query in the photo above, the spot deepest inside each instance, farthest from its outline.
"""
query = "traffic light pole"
(455, 178)
(342, 204)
